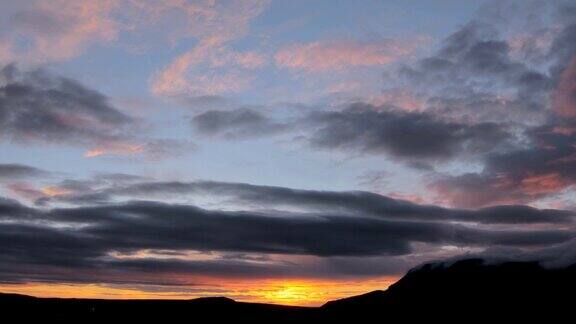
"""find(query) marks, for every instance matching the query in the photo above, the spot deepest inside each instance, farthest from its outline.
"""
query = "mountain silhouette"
(472, 288)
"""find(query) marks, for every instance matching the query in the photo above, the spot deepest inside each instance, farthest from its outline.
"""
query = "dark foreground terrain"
(463, 291)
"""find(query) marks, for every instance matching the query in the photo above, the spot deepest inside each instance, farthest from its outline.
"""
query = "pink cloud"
(114, 148)
(147, 149)
(59, 30)
(400, 97)
(562, 130)
(30, 192)
(474, 191)
(564, 97)
(212, 67)
(530, 42)
(542, 184)
(226, 20)
(24, 190)
(413, 198)
(324, 56)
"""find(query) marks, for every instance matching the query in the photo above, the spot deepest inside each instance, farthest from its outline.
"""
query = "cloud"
(483, 95)
(121, 242)
(39, 106)
(106, 236)
(149, 149)
(236, 124)
(117, 149)
(212, 67)
(479, 75)
(12, 171)
(564, 96)
(473, 75)
(209, 69)
(323, 56)
(223, 20)
(59, 30)
(408, 135)
(522, 175)
(414, 136)
(349, 203)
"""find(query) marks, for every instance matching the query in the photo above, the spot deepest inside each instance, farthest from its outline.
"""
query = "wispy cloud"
(212, 67)
(325, 56)
(59, 30)
(209, 69)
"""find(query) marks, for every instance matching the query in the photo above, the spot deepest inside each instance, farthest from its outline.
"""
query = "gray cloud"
(19, 171)
(522, 175)
(78, 244)
(479, 97)
(401, 134)
(241, 123)
(346, 202)
(416, 136)
(339, 233)
(471, 73)
(484, 90)
(38, 106)
(476, 76)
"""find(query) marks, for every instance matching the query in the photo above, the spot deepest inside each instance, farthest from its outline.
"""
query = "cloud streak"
(59, 30)
(325, 56)
(133, 237)
(236, 124)
(212, 67)
(349, 203)
(410, 135)
(11, 171)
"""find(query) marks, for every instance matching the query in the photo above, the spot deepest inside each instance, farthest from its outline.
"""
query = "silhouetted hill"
(447, 291)
(214, 308)
(472, 287)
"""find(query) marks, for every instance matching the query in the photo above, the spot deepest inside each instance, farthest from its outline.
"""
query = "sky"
(276, 151)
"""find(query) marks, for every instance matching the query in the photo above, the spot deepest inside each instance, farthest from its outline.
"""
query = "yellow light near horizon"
(292, 294)
(316, 292)
(272, 291)
(54, 290)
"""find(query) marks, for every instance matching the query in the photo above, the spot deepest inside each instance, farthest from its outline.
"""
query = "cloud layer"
(104, 235)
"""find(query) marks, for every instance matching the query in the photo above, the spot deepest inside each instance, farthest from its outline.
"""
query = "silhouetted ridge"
(512, 289)
(373, 298)
(213, 301)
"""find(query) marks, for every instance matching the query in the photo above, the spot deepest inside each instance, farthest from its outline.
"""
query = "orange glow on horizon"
(297, 292)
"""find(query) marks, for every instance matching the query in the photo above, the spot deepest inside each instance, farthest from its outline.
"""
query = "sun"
(293, 293)
(290, 292)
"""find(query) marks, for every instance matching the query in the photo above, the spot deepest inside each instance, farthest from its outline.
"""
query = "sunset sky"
(279, 151)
